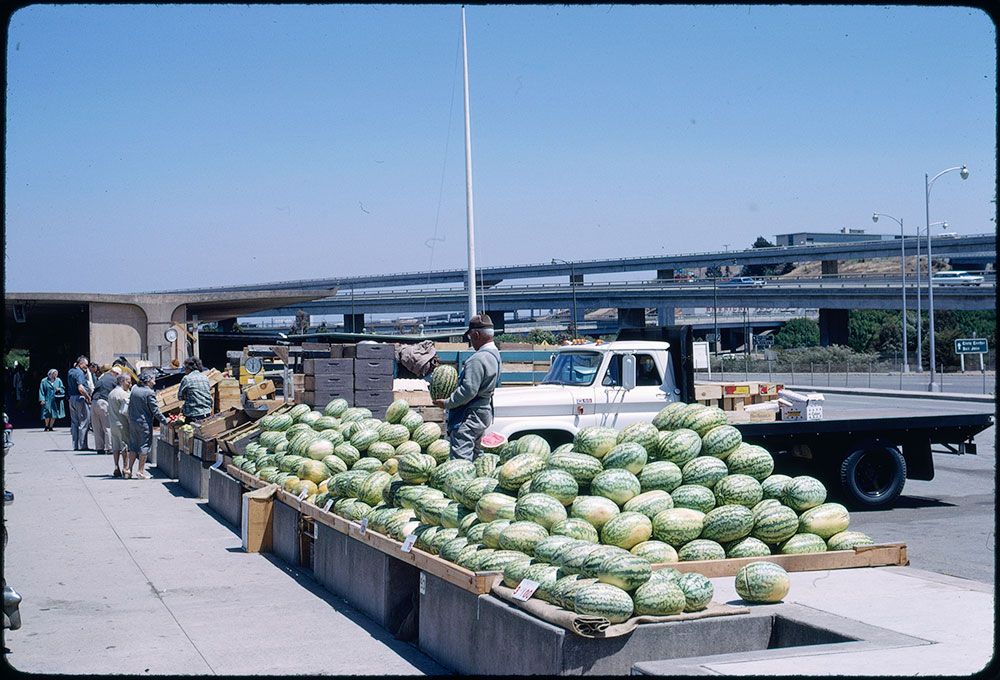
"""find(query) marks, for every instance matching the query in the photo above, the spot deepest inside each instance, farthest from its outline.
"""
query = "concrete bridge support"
(833, 326)
(666, 316)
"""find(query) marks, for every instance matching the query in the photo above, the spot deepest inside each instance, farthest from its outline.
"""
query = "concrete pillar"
(631, 317)
(833, 326)
(354, 323)
(498, 320)
(666, 316)
(830, 267)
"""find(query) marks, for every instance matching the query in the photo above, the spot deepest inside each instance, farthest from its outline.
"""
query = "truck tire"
(873, 477)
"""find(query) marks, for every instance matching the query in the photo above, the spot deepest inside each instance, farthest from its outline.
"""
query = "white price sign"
(525, 589)
(199, 446)
(363, 528)
(326, 508)
(408, 543)
(218, 463)
(305, 492)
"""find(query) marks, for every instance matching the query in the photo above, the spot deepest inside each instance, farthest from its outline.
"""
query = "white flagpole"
(470, 222)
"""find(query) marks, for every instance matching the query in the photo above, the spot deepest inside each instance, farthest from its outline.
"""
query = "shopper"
(470, 406)
(143, 414)
(99, 419)
(195, 391)
(118, 402)
(50, 395)
(79, 403)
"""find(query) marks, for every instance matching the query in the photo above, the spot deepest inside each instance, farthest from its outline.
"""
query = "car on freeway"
(956, 278)
(743, 282)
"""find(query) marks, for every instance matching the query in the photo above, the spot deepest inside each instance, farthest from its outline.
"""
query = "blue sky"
(235, 144)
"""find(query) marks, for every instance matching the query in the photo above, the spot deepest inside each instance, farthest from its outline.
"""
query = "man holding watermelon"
(470, 406)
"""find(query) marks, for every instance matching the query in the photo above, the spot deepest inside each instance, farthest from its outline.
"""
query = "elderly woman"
(50, 395)
(118, 401)
(143, 413)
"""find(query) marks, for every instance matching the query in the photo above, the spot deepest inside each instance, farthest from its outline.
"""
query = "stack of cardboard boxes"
(362, 374)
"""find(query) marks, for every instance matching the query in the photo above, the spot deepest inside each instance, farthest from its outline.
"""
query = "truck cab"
(610, 384)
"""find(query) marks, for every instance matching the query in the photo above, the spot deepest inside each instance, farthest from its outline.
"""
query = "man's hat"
(478, 322)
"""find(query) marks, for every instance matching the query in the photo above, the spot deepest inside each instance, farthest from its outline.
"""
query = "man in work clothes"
(195, 391)
(100, 419)
(470, 407)
(79, 403)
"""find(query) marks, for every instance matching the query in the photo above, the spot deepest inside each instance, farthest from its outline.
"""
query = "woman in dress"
(50, 395)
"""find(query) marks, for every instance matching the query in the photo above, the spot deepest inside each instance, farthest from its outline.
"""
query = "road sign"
(971, 346)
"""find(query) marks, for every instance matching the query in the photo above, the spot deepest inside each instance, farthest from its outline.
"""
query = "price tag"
(525, 589)
(199, 446)
(218, 463)
(364, 526)
(303, 494)
(329, 503)
(423, 583)
(408, 543)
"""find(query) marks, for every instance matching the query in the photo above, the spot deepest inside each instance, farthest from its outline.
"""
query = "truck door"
(619, 407)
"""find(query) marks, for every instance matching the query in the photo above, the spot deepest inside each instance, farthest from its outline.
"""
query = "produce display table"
(167, 460)
(192, 473)
(879, 555)
(225, 496)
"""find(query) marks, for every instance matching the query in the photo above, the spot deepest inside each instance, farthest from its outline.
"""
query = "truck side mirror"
(628, 371)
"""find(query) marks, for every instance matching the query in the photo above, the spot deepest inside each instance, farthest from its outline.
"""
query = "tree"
(798, 332)
(765, 269)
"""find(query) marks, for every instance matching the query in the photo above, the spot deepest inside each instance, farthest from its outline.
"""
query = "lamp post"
(572, 287)
(963, 172)
(902, 266)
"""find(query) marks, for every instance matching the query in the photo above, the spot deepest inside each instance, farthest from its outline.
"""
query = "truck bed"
(940, 428)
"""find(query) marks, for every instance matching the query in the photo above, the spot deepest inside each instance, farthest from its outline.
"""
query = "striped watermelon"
(649, 503)
(595, 510)
(364, 438)
(595, 441)
(747, 547)
(598, 555)
(411, 421)
(564, 552)
(659, 598)
(693, 496)
(452, 516)
(704, 471)
(491, 534)
(472, 490)
(576, 528)
(539, 508)
(425, 433)
(737, 490)
(774, 486)
(486, 463)
(655, 552)
(546, 548)
(515, 571)
(429, 510)
(355, 413)
(721, 441)
(727, 523)
(475, 532)
(752, 460)
(626, 530)
(507, 451)
(604, 600)
(824, 520)
(762, 582)
(705, 419)
(396, 410)
(501, 558)
(524, 489)
(848, 540)
(381, 450)
(678, 526)
(698, 591)
(435, 542)
(319, 449)
(492, 506)
(457, 469)
(299, 410)
(763, 506)
(644, 434)
(617, 485)
(775, 524)
(449, 549)
(336, 408)
(803, 543)
(660, 474)
(627, 571)
(533, 444)
(701, 549)
(347, 453)
(416, 468)
(444, 380)
(367, 463)
(520, 469)
(522, 536)
(563, 448)
(439, 449)
(629, 455)
(332, 435)
(803, 492)
(407, 448)
(583, 467)
(556, 483)
(393, 434)
(565, 589)
(666, 419)
(678, 446)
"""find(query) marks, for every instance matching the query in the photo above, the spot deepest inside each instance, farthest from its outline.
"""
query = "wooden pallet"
(882, 555)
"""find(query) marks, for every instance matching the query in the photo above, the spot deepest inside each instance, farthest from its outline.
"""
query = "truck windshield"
(573, 368)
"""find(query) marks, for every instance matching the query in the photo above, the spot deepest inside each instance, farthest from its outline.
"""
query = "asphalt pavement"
(971, 382)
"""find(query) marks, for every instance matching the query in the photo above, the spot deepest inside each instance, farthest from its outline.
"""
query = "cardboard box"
(259, 391)
(740, 389)
(707, 391)
(430, 414)
(327, 366)
(763, 412)
(375, 350)
(372, 383)
(414, 397)
(256, 524)
(373, 398)
(374, 367)
(334, 382)
(320, 399)
(799, 406)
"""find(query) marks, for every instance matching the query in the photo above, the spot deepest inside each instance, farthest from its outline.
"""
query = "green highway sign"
(971, 346)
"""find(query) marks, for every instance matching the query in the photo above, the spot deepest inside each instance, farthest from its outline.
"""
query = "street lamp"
(902, 266)
(963, 172)
(572, 287)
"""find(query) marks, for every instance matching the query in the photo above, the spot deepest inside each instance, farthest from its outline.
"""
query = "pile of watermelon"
(585, 520)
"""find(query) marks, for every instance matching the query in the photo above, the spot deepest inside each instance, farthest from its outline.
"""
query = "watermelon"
(522, 536)
(416, 468)
(492, 442)
(450, 550)
(803, 492)
(452, 516)
(737, 490)
(595, 441)
(747, 547)
(803, 543)
(475, 532)
(364, 438)
(824, 520)
(655, 552)
(507, 451)
(848, 540)
(451, 470)
(693, 496)
(574, 527)
(547, 547)
(659, 598)
(596, 510)
(297, 411)
(558, 484)
(565, 589)
(444, 380)
(473, 489)
(581, 466)
(766, 505)
(383, 451)
(678, 446)
(660, 474)
(368, 464)
(666, 419)
(721, 441)
(704, 471)
(393, 434)
(371, 488)
(396, 410)
(626, 530)
(774, 486)
(701, 549)
(625, 571)
(678, 526)
(524, 489)
(407, 448)
(499, 559)
(775, 524)
(429, 510)
(604, 600)
(618, 485)
(411, 421)
(520, 469)
(762, 582)
(336, 408)
(534, 444)
(486, 463)
(324, 423)
(628, 455)
(698, 591)
(347, 453)
(491, 534)
(492, 506)
(439, 449)
(539, 508)
(426, 433)
(563, 448)
(727, 523)
(319, 449)
(751, 460)
(665, 574)
(644, 434)
(704, 419)
(437, 541)
(649, 503)
(515, 571)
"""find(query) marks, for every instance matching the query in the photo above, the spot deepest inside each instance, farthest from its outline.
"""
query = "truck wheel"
(873, 477)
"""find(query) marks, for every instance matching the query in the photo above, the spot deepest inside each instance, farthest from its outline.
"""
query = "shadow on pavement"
(175, 489)
(908, 502)
(207, 509)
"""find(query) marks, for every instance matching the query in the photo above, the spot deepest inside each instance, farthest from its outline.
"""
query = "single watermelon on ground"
(764, 582)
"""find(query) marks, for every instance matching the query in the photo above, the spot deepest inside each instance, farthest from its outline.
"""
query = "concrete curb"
(904, 394)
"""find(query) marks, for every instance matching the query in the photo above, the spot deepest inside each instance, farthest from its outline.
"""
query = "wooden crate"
(707, 391)
(740, 389)
(414, 397)
(734, 403)
(227, 394)
(882, 555)
(431, 414)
